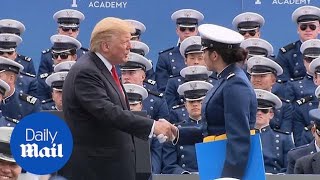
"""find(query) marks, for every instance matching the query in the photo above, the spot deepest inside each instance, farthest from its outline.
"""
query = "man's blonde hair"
(106, 30)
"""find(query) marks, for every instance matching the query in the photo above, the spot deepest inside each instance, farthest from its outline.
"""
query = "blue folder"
(211, 157)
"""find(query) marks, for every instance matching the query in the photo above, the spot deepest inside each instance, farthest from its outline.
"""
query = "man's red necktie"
(116, 79)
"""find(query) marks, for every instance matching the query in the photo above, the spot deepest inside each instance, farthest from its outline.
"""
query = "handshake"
(165, 131)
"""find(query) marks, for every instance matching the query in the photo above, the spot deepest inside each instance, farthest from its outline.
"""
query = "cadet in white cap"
(170, 61)
(248, 24)
(10, 26)
(15, 104)
(136, 94)
(64, 66)
(290, 57)
(9, 169)
(304, 86)
(223, 108)
(257, 47)
(275, 143)
(139, 27)
(55, 81)
(68, 21)
(181, 158)
(64, 48)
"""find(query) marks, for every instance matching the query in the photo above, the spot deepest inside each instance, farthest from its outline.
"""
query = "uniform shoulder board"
(44, 75)
(304, 100)
(84, 49)
(282, 132)
(26, 58)
(28, 98)
(231, 75)
(16, 121)
(178, 106)
(150, 81)
(28, 74)
(155, 93)
(45, 51)
(296, 79)
(166, 50)
(46, 101)
(287, 47)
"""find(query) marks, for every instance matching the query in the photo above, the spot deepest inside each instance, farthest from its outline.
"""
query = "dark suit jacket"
(309, 164)
(101, 124)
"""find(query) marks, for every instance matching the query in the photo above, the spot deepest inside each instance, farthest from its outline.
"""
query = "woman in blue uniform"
(230, 107)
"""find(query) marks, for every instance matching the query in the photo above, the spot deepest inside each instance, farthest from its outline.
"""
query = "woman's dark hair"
(230, 56)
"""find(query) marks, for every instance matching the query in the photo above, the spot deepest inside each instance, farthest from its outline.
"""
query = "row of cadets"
(136, 95)
(55, 81)
(275, 143)
(301, 87)
(264, 73)
(301, 118)
(170, 61)
(181, 159)
(26, 82)
(15, 105)
(68, 21)
(64, 48)
(191, 50)
(290, 57)
(11, 26)
(313, 146)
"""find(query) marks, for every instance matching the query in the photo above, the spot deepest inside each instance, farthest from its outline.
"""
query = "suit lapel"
(316, 163)
(108, 76)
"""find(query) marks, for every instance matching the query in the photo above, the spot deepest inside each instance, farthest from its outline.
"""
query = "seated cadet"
(248, 24)
(179, 159)
(136, 95)
(301, 118)
(15, 105)
(289, 56)
(26, 82)
(68, 21)
(298, 88)
(261, 47)
(191, 50)
(264, 72)
(9, 169)
(310, 164)
(64, 49)
(307, 149)
(275, 143)
(55, 103)
(133, 72)
(12, 26)
(170, 61)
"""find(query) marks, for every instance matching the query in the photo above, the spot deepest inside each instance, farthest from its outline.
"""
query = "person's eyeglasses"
(63, 55)
(264, 111)
(9, 53)
(183, 29)
(303, 27)
(251, 32)
(308, 59)
(67, 29)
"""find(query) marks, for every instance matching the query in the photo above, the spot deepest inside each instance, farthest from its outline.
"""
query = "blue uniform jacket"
(170, 63)
(282, 119)
(298, 152)
(27, 64)
(275, 146)
(48, 105)
(27, 83)
(8, 122)
(291, 60)
(230, 107)
(300, 87)
(19, 105)
(179, 159)
(178, 114)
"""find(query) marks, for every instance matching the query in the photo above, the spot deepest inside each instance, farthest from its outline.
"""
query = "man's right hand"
(167, 129)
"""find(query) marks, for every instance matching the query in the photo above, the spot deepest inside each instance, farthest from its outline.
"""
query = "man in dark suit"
(309, 164)
(96, 109)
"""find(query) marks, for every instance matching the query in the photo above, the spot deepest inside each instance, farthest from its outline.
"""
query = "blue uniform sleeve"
(33, 88)
(46, 63)
(286, 124)
(162, 110)
(290, 92)
(283, 62)
(43, 90)
(237, 108)
(162, 73)
(290, 162)
(171, 94)
(170, 160)
(298, 125)
(287, 146)
(156, 156)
